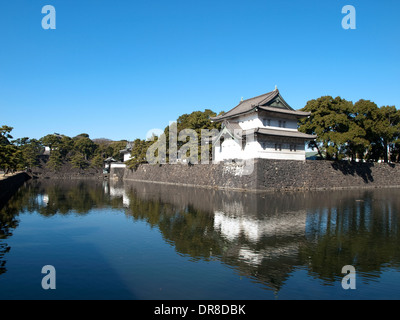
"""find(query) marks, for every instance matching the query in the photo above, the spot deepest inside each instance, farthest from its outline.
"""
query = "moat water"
(144, 241)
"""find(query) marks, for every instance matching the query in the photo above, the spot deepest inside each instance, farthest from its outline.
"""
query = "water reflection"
(361, 229)
(265, 236)
(262, 236)
(8, 222)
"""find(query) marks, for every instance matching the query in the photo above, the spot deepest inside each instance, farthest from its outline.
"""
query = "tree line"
(351, 131)
(197, 120)
(345, 130)
(81, 151)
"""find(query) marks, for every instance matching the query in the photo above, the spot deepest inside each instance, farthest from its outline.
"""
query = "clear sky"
(120, 68)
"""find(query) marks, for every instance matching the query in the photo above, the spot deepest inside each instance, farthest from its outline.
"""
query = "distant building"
(274, 124)
(107, 164)
(126, 153)
(46, 151)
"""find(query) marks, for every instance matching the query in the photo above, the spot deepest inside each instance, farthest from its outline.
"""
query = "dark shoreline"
(10, 185)
(268, 176)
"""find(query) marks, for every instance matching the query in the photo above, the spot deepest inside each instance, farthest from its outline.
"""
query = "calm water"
(145, 241)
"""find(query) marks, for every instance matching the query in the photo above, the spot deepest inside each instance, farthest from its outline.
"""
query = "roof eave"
(221, 118)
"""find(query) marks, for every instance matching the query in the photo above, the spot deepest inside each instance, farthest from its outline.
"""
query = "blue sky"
(120, 68)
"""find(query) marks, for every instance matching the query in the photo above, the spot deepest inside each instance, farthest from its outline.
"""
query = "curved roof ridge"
(246, 105)
(263, 102)
(271, 95)
(259, 96)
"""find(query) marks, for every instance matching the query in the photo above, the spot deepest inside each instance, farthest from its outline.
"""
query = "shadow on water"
(262, 236)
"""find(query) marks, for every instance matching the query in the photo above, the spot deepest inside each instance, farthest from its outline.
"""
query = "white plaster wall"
(274, 124)
(127, 156)
(230, 150)
(284, 154)
(117, 165)
(281, 155)
(255, 121)
(253, 149)
(250, 121)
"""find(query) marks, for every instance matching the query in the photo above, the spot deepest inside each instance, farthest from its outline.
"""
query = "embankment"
(269, 175)
(10, 185)
(67, 171)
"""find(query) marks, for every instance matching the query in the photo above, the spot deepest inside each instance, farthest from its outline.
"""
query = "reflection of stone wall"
(270, 175)
(10, 185)
(266, 235)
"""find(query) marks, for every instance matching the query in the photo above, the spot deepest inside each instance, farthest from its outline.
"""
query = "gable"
(277, 102)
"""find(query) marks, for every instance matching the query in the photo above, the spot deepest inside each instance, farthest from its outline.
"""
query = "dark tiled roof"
(262, 103)
(286, 111)
(284, 133)
(232, 125)
(234, 128)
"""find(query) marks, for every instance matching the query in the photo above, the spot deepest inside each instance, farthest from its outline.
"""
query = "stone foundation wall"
(201, 175)
(269, 175)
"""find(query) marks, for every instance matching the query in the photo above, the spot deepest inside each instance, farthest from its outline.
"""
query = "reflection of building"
(274, 124)
(277, 233)
(259, 235)
(232, 226)
(263, 235)
(265, 243)
(267, 237)
(112, 163)
(116, 190)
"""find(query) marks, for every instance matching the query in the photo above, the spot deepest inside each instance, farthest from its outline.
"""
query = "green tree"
(361, 130)
(55, 160)
(97, 161)
(62, 143)
(5, 135)
(78, 161)
(11, 158)
(31, 150)
(9, 153)
(388, 129)
(197, 121)
(84, 145)
(333, 122)
(138, 153)
(366, 116)
(51, 140)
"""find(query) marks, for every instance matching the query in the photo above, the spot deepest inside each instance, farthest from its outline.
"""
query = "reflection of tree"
(8, 222)
(62, 197)
(263, 236)
(362, 233)
(188, 229)
(263, 245)
(266, 236)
